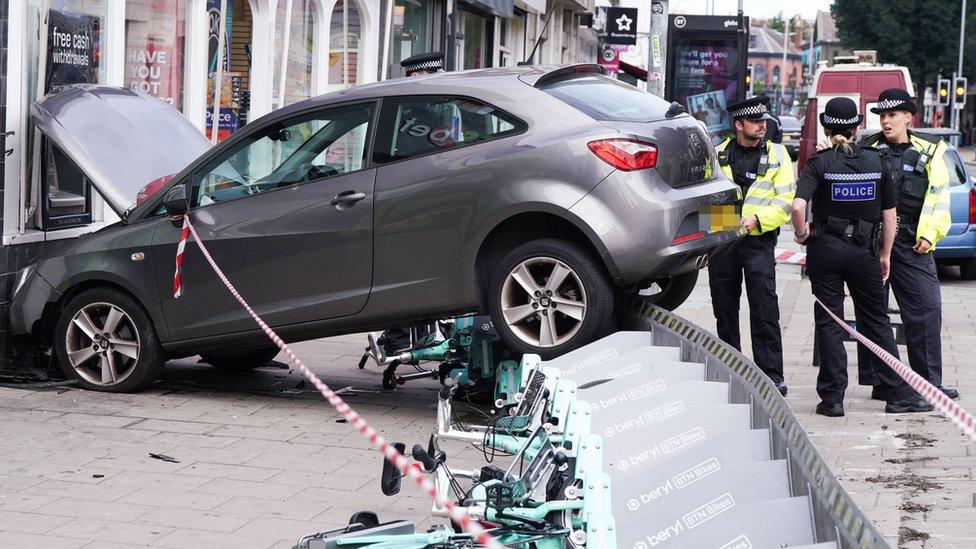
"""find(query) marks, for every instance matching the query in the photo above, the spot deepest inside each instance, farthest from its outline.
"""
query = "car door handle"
(347, 198)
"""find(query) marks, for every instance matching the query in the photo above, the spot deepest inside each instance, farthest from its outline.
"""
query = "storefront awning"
(499, 8)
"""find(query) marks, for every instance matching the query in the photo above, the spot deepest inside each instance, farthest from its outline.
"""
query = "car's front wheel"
(240, 362)
(106, 341)
(550, 296)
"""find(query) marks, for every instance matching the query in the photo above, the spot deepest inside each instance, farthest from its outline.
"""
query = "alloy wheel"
(543, 302)
(102, 344)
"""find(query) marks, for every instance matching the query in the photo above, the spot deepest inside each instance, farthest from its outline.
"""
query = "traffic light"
(959, 91)
(748, 77)
(943, 98)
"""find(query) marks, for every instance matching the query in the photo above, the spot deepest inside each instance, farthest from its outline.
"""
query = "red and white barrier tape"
(790, 256)
(945, 405)
(180, 248)
(411, 471)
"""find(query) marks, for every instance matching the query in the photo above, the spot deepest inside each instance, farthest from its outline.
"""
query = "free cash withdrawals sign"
(71, 49)
(621, 26)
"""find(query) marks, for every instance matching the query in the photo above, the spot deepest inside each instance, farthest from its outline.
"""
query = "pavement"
(261, 459)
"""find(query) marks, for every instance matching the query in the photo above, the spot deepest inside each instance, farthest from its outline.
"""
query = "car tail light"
(687, 237)
(972, 206)
(625, 154)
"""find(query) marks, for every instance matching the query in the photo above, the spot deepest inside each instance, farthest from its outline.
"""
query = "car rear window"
(604, 98)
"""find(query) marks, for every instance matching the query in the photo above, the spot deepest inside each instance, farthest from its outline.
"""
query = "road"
(262, 460)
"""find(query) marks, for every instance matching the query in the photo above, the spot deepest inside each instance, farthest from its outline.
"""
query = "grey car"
(540, 195)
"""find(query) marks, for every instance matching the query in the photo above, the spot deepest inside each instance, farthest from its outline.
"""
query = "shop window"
(234, 89)
(413, 31)
(421, 125)
(344, 40)
(292, 152)
(294, 44)
(65, 41)
(66, 191)
(476, 40)
(155, 38)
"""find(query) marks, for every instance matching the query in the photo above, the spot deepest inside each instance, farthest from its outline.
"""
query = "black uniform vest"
(853, 185)
(911, 180)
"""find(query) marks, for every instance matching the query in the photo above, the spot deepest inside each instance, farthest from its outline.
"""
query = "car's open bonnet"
(121, 139)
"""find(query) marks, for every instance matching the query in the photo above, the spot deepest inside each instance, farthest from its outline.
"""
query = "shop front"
(221, 63)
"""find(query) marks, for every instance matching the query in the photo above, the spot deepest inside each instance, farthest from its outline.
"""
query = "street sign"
(621, 26)
(609, 58)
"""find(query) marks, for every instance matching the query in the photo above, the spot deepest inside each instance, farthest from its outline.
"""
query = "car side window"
(415, 126)
(299, 150)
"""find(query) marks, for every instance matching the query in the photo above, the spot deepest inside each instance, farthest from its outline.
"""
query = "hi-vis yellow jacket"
(770, 197)
(934, 221)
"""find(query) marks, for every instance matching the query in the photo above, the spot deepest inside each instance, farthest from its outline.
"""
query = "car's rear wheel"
(548, 297)
(967, 269)
(240, 362)
(105, 340)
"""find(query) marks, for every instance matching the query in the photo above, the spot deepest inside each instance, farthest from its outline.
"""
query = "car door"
(287, 213)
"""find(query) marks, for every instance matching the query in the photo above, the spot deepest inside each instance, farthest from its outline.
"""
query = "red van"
(861, 82)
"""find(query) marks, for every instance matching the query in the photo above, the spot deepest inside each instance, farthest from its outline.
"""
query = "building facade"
(274, 53)
(772, 75)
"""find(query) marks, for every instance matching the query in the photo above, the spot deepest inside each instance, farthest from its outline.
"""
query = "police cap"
(894, 99)
(754, 108)
(427, 62)
(840, 114)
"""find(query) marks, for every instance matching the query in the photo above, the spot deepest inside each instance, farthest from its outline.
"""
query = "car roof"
(477, 82)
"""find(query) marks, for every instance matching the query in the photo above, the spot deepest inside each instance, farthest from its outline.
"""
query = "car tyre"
(240, 362)
(967, 269)
(550, 296)
(106, 341)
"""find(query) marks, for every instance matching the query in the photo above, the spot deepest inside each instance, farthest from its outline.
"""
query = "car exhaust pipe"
(701, 261)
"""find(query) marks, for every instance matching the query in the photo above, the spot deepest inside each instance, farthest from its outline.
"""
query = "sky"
(752, 8)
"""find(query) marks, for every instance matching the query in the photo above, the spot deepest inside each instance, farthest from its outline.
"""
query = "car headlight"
(22, 276)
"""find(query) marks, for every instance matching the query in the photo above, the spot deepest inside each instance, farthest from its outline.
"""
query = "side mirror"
(175, 201)
(390, 478)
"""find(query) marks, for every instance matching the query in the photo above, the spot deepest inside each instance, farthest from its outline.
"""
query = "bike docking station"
(663, 437)
(660, 437)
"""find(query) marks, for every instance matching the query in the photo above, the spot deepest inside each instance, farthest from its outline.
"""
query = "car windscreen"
(606, 99)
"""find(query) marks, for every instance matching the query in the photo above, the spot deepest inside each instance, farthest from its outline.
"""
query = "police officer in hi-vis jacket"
(764, 171)
(918, 166)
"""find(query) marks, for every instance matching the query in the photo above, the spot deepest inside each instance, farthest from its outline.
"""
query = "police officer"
(852, 193)
(423, 63)
(765, 173)
(917, 163)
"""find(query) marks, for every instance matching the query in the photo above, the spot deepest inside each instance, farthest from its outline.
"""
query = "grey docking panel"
(687, 467)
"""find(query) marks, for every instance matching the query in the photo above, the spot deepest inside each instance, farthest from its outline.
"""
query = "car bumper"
(957, 245)
(28, 304)
(636, 217)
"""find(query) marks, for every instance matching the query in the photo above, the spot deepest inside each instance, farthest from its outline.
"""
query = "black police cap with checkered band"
(428, 62)
(894, 99)
(754, 108)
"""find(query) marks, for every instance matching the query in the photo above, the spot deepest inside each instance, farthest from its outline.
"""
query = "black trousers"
(915, 283)
(754, 258)
(833, 261)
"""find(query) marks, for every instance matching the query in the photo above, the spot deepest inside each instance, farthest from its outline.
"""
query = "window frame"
(386, 114)
(207, 162)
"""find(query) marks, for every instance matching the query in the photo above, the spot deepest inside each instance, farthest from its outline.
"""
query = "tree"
(922, 35)
(777, 22)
